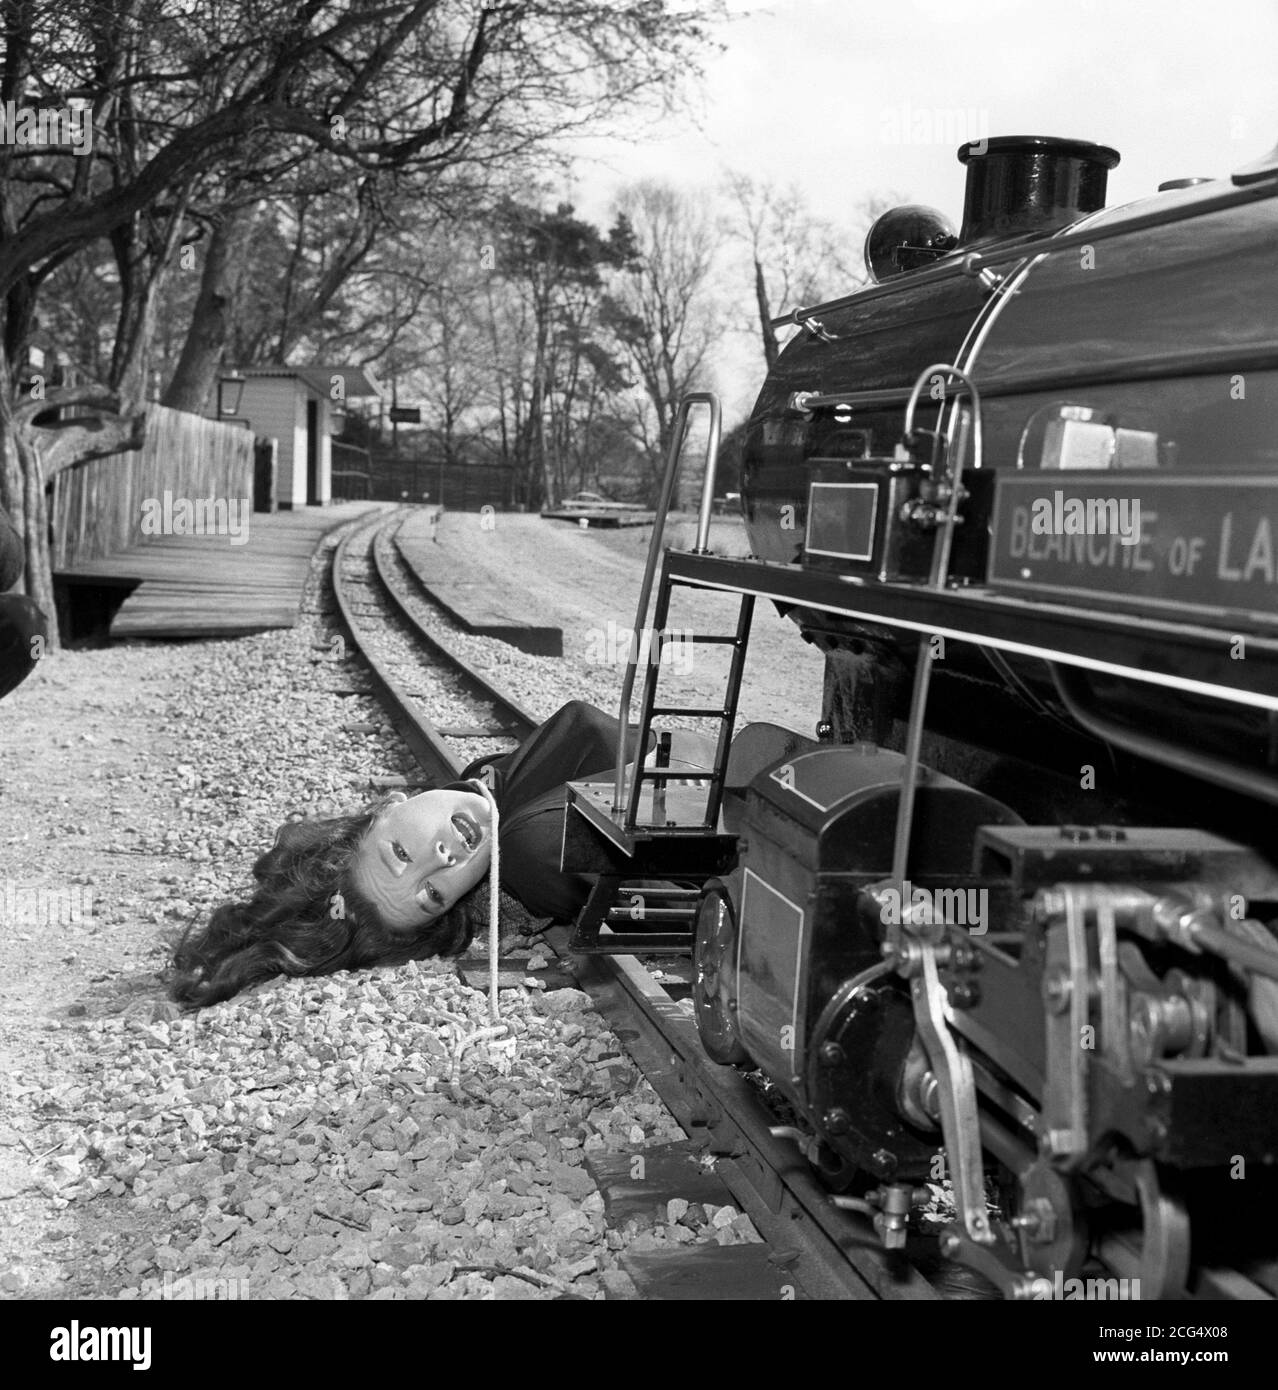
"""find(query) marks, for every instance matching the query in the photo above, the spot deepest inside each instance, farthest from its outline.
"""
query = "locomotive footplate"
(647, 887)
(1153, 649)
(595, 841)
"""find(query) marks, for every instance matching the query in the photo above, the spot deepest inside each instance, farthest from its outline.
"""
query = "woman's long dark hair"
(306, 917)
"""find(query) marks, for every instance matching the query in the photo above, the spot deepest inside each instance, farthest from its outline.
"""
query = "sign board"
(406, 414)
(1201, 546)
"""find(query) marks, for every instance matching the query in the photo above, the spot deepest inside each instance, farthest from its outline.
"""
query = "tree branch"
(90, 394)
(80, 440)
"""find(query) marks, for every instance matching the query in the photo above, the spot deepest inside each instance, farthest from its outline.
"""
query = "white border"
(798, 949)
(1136, 673)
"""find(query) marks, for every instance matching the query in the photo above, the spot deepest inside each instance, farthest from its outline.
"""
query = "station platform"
(612, 514)
(214, 585)
(454, 562)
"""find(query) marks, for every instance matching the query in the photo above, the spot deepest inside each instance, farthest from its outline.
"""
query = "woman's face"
(423, 853)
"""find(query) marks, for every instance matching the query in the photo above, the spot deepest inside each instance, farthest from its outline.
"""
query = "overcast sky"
(849, 98)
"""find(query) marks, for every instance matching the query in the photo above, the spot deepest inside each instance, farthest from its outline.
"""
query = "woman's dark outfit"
(577, 743)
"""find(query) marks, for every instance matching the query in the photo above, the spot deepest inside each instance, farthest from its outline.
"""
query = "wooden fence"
(462, 487)
(96, 508)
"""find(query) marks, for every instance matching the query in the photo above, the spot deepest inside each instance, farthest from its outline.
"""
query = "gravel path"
(350, 1136)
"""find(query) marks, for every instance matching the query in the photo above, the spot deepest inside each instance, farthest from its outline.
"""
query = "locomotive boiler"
(1009, 918)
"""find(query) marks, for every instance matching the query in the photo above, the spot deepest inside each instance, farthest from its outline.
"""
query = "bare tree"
(184, 87)
(556, 360)
(660, 310)
(796, 257)
(448, 339)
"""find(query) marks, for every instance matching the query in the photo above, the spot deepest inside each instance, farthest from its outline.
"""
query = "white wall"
(293, 454)
(275, 407)
(297, 484)
(325, 452)
(267, 404)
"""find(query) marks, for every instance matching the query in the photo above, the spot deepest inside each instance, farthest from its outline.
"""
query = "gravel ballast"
(368, 1135)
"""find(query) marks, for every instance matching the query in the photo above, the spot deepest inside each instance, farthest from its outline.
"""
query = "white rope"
(462, 1041)
(494, 906)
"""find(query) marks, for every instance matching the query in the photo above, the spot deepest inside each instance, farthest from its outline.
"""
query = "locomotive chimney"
(1030, 183)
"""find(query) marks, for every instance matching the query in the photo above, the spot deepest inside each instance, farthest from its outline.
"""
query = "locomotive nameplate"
(1200, 545)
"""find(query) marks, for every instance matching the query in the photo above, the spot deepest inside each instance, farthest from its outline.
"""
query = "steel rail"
(519, 718)
(424, 741)
(832, 1254)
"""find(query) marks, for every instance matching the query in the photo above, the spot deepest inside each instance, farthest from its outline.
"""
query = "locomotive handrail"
(807, 401)
(973, 262)
(940, 565)
(654, 554)
(912, 405)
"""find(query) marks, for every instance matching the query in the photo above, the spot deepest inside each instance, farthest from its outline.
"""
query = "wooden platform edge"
(183, 606)
(534, 638)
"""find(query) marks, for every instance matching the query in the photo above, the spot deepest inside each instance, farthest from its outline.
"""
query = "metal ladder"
(617, 899)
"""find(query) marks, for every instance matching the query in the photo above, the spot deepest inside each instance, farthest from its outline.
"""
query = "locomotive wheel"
(1156, 1251)
(1164, 1256)
(714, 963)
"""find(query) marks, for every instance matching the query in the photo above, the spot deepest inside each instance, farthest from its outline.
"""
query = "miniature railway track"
(369, 595)
(825, 1252)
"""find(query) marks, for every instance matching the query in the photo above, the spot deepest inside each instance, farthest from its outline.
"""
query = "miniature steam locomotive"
(1017, 901)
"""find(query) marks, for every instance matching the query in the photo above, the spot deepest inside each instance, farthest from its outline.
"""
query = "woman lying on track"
(403, 879)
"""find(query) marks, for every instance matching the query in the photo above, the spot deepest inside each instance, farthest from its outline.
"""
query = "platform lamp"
(337, 417)
(229, 391)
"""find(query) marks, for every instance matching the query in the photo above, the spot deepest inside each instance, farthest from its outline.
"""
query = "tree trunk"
(10, 468)
(130, 369)
(35, 534)
(22, 497)
(770, 348)
(197, 367)
(30, 456)
(141, 279)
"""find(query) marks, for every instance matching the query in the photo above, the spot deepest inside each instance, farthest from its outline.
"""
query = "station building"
(302, 409)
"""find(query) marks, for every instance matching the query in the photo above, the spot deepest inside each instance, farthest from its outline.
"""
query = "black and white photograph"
(638, 664)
